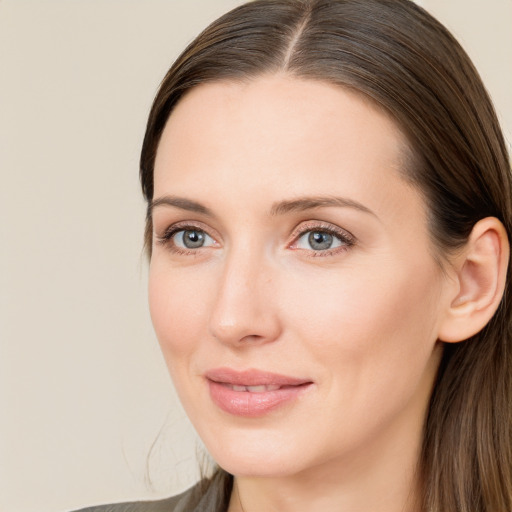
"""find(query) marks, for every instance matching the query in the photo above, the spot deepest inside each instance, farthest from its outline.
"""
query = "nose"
(245, 310)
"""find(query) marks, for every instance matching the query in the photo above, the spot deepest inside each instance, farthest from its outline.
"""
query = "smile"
(253, 393)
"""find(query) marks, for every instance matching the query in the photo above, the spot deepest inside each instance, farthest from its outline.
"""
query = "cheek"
(372, 336)
(176, 302)
(369, 321)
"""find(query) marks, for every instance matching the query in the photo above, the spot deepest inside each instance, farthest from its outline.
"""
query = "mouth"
(253, 393)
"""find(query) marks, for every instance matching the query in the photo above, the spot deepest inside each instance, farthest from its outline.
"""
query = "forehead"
(279, 101)
(277, 132)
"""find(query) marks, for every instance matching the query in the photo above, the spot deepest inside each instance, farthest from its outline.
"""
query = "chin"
(263, 455)
(257, 467)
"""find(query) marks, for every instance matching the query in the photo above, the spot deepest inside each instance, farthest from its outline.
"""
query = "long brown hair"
(395, 53)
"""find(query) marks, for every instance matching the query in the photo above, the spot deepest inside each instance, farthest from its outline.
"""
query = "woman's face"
(293, 286)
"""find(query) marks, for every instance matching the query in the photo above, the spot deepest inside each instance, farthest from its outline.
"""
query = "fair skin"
(255, 267)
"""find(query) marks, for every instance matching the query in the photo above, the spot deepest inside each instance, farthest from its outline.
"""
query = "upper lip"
(252, 377)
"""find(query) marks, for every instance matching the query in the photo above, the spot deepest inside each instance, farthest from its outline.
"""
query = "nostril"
(250, 331)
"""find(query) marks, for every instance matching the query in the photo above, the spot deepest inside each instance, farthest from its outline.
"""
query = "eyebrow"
(309, 203)
(178, 202)
(280, 208)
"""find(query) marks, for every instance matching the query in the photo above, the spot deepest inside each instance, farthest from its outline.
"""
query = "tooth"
(239, 388)
(261, 389)
(256, 389)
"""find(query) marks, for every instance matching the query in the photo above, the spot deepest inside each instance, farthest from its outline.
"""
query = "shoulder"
(210, 495)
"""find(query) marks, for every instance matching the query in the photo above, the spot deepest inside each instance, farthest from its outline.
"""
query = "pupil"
(193, 239)
(319, 240)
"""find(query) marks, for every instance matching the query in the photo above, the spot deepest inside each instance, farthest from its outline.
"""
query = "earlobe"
(481, 275)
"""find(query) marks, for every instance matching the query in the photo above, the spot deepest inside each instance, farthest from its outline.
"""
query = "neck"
(330, 489)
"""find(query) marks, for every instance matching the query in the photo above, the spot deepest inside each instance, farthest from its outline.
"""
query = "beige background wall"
(83, 391)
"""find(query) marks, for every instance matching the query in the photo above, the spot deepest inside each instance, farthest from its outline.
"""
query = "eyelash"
(347, 239)
(167, 238)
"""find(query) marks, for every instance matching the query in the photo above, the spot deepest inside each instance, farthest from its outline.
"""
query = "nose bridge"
(243, 309)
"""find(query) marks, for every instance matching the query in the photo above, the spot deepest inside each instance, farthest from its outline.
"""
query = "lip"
(269, 390)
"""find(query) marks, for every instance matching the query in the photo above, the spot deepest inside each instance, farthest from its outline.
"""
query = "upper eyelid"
(187, 224)
(306, 226)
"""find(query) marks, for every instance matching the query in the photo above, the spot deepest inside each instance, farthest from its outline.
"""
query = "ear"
(481, 271)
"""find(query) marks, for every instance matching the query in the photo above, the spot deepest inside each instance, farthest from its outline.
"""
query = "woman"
(329, 214)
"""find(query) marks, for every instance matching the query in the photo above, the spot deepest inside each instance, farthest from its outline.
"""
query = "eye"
(185, 239)
(318, 241)
(322, 240)
(191, 239)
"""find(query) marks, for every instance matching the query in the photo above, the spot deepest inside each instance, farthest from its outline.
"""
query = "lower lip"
(250, 404)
